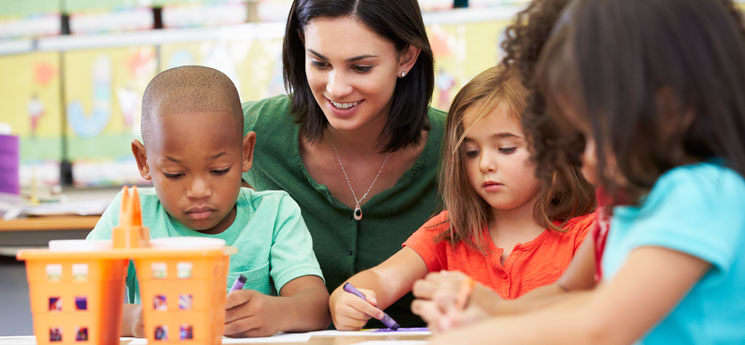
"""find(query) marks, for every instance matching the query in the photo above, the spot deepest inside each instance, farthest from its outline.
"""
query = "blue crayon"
(386, 320)
(238, 284)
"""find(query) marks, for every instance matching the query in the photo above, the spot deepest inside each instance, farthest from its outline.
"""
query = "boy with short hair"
(194, 152)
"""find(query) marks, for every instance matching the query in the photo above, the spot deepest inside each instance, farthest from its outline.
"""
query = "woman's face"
(351, 71)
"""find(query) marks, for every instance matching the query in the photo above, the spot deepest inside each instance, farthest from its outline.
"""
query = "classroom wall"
(78, 98)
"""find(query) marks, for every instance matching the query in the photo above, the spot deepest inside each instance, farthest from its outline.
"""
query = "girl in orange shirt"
(501, 227)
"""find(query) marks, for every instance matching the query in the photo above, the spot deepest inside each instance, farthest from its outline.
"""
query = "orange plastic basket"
(183, 296)
(77, 295)
(75, 298)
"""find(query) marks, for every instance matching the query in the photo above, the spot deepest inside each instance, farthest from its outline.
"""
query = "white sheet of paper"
(393, 342)
(18, 340)
(277, 338)
(333, 333)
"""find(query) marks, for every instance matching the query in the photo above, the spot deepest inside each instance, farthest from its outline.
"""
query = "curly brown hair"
(552, 142)
(653, 102)
(524, 41)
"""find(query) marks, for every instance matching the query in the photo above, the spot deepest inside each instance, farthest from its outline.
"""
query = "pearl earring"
(403, 74)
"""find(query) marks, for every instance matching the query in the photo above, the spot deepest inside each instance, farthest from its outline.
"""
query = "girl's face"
(351, 71)
(497, 159)
(590, 155)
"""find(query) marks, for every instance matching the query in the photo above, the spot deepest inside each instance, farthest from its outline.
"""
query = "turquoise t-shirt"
(274, 245)
(698, 210)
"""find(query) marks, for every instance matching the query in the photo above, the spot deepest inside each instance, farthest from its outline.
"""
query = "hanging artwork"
(103, 90)
(30, 95)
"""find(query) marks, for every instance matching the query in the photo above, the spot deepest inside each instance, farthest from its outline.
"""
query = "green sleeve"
(250, 115)
(292, 253)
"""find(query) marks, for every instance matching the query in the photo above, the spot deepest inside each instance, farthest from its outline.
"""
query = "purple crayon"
(386, 320)
(238, 283)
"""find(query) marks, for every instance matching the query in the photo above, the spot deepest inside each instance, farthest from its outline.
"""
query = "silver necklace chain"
(357, 209)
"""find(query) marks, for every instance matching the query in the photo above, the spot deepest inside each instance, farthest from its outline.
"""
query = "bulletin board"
(31, 99)
(461, 52)
(254, 66)
(98, 91)
(103, 92)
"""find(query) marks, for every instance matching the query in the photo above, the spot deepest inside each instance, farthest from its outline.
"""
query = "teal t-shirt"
(698, 210)
(343, 245)
(274, 246)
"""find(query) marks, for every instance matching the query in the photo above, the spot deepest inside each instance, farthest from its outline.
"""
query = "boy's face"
(195, 161)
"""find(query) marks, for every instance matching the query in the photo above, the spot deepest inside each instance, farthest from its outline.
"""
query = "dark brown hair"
(399, 21)
(568, 195)
(190, 89)
(659, 82)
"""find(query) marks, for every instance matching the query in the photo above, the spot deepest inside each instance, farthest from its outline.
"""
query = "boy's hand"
(249, 313)
(349, 312)
(132, 324)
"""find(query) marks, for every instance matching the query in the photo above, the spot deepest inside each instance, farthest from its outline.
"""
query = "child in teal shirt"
(193, 152)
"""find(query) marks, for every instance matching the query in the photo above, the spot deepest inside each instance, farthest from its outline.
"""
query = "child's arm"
(437, 293)
(382, 285)
(301, 306)
(651, 283)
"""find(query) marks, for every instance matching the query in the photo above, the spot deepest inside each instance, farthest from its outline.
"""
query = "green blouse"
(343, 245)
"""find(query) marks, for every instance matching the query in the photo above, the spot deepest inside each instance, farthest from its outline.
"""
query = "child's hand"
(441, 287)
(437, 301)
(440, 321)
(132, 324)
(349, 312)
(249, 313)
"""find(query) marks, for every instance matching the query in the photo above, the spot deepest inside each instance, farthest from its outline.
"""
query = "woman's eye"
(319, 64)
(172, 175)
(507, 150)
(362, 69)
(220, 171)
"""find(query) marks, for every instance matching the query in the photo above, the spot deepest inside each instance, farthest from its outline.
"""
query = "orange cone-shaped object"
(130, 233)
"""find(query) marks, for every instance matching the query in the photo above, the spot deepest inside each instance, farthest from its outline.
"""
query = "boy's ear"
(138, 150)
(407, 59)
(248, 150)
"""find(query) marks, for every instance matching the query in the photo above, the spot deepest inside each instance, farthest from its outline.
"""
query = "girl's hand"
(351, 313)
(249, 313)
(439, 320)
(442, 287)
(438, 298)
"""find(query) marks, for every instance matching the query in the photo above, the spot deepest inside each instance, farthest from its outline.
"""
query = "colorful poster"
(30, 95)
(461, 52)
(255, 66)
(103, 91)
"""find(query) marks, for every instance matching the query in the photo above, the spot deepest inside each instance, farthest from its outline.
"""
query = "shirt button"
(350, 252)
(504, 275)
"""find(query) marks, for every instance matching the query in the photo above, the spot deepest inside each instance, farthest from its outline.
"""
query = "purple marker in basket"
(238, 283)
(386, 320)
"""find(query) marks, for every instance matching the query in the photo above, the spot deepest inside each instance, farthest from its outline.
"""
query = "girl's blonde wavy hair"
(568, 194)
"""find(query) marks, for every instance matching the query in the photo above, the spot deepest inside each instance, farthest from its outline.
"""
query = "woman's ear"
(407, 59)
(138, 150)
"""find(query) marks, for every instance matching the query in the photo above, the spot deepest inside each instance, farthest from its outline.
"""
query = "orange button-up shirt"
(530, 265)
